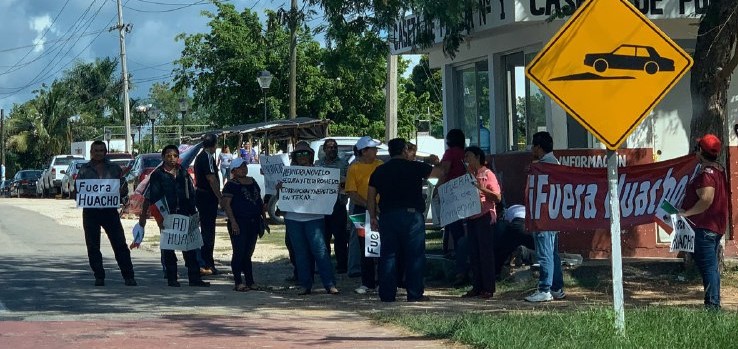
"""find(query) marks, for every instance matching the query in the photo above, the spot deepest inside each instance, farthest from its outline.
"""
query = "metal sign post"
(615, 254)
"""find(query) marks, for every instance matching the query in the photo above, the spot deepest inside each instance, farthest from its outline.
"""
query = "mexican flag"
(663, 213)
(359, 221)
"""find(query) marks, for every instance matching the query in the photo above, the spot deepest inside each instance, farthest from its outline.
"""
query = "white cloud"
(40, 25)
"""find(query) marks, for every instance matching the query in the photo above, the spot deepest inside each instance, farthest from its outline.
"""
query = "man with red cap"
(706, 205)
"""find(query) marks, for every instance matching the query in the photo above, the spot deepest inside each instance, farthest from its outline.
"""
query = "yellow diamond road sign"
(608, 67)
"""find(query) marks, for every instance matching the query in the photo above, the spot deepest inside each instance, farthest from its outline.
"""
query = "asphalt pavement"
(47, 300)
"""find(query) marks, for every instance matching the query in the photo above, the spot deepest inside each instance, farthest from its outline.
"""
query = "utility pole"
(390, 117)
(294, 23)
(2, 143)
(122, 30)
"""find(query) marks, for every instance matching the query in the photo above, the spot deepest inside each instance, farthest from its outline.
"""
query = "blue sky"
(39, 39)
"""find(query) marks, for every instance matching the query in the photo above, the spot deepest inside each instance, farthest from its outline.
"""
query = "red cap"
(710, 144)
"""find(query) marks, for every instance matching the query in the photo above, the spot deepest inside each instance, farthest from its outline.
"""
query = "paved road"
(47, 301)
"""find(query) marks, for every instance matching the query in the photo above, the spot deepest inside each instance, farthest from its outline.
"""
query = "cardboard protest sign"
(272, 167)
(181, 233)
(459, 199)
(683, 239)
(98, 193)
(372, 242)
(309, 189)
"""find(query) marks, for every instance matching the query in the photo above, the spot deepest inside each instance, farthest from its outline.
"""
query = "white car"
(70, 177)
(52, 176)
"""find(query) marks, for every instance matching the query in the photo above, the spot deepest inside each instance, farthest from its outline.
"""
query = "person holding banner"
(246, 213)
(357, 184)
(452, 163)
(305, 232)
(706, 205)
(335, 223)
(96, 215)
(481, 227)
(171, 185)
(550, 277)
(399, 218)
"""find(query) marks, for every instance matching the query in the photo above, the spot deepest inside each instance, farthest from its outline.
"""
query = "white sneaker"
(363, 290)
(539, 297)
(560, 294)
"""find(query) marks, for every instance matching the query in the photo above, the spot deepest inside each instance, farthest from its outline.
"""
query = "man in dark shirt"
(400, 219)
(171, 183)
(94, 218)
(207, 196)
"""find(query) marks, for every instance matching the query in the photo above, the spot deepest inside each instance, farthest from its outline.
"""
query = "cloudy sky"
(39, 39)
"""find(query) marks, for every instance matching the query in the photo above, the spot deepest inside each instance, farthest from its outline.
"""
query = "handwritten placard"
(272, 167)
(98, 193)
(459, 199)
(309, 189)
(181, 233)
(683, 240)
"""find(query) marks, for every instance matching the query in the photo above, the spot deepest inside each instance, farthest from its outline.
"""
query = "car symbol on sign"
(630, 57)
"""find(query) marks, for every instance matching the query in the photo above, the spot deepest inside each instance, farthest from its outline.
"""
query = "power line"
(42, 44)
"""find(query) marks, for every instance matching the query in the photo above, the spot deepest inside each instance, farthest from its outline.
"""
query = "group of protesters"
(391, 195)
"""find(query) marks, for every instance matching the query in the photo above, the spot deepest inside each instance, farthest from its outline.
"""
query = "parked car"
(24, 183)
(124, 160)
(70, 177)
(52, 176)
(5, 188)
(142, 166)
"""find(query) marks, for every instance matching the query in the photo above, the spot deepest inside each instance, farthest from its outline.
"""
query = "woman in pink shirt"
(480, 228)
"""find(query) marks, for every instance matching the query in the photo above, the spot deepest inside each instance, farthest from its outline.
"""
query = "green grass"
(656, 327)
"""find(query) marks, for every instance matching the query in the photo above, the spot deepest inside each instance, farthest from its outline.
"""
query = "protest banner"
(98, 193)
(309, 189)
(372, 241)
(568, 198)
(683, 239)
(272, 166)
(181, 233)
(459, 199)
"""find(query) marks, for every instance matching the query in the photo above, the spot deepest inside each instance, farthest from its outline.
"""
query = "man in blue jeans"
(550, 279)
(706, 205)
(399, 217)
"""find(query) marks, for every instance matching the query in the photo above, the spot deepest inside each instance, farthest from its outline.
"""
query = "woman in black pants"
(480, 228)
(244, 206)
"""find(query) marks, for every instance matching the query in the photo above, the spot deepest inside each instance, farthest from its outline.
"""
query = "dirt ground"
(645, 282)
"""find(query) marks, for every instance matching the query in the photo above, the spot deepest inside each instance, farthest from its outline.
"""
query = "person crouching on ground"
(171, 183)
(244, 207)
(706, 203)
(305, 231)
(481, 227)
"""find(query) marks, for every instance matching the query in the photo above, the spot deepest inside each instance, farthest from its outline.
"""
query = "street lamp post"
(183, 109)
(265, 79)
(152, 116)
(108, 135)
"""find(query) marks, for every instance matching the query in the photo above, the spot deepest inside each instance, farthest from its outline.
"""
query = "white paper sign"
(181, 233)
(309, 189)
(684, 235)
(372, 243)
(98, 193)
(459, 199)
(272, 167)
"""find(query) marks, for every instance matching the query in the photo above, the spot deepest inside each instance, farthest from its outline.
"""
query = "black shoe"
(131, 282)
(173, 283)
(99, 282)
(199, 283)
(421, 299)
